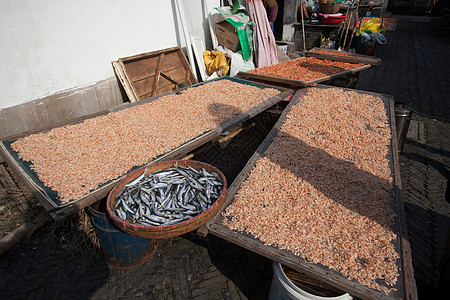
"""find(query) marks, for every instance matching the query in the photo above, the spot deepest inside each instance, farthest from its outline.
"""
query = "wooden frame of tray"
(293, 83)
(350, 57)
(406, 288)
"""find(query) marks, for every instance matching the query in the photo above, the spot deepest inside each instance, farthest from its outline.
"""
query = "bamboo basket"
(330, 7)
(166, 231)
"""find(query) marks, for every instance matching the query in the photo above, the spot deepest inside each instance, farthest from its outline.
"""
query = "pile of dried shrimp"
(325, 51)
(322, 188)
(306, 68)
(76, 159)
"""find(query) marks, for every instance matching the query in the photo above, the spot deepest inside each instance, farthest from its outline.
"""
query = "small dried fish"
(168, 196)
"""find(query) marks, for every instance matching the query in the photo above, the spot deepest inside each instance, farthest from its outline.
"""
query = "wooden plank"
(405, 285)
(406, 256)
(274, 79)
(147, 54)
(157, 73)
(188, 75)
(169, 78)
(140, 69)
(352, 59)
(176, 74)
(164, 85)
(144, 87)
(118, 69)
(130, 83)
(139, 74)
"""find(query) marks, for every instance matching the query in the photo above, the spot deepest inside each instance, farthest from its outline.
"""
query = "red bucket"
(332, 19)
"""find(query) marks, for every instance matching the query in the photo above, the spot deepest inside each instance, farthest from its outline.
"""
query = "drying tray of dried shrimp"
(76, 164)
(343, 56)
(313, 198)
(303, 71)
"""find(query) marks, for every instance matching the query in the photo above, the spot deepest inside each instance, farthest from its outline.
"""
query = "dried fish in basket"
(167, 199)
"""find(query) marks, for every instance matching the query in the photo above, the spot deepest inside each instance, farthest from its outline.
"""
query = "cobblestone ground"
(424, 171)
(186, 267)
(415, 69)
(415, 66)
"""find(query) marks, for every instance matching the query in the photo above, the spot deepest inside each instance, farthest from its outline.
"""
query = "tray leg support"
(202, 231)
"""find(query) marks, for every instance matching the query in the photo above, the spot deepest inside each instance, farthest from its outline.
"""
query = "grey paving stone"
(234, 294)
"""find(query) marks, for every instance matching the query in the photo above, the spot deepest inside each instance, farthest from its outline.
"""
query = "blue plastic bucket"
(121, 250)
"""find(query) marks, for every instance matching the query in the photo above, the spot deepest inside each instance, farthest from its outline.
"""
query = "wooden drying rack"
(153, 73)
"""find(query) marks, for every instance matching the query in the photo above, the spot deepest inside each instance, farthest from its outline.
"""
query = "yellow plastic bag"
(373, 25)
(216, 61)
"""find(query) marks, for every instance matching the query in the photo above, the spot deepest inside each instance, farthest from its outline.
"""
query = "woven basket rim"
(331, 7)
(141, 230)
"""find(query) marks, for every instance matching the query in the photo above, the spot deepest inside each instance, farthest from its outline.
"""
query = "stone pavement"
(415, 69)
(425, 170)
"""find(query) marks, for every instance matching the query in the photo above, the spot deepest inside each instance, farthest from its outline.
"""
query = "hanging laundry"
(263, 38)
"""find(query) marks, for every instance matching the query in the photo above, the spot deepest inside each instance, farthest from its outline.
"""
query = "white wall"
(49, 46)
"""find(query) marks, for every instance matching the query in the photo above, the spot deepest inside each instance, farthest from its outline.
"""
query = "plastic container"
(379, 37)
(282, 46)
(121, 250)
(364, 46)
(332, 19)
(283, 288)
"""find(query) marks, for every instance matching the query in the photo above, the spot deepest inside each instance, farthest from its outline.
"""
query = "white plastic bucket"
(283, 288)
(282, 46)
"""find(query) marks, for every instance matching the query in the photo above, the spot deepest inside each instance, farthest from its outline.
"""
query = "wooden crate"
(153, 73)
